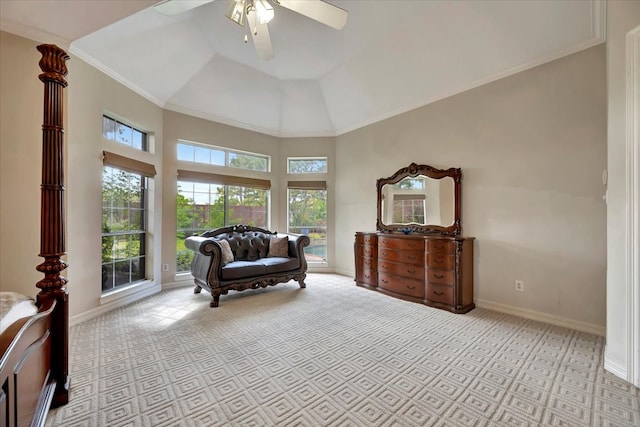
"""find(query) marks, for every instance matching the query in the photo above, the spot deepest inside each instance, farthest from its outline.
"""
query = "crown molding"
(114, 75)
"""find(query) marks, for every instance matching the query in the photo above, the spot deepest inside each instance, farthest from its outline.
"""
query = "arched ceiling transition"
(391, 57)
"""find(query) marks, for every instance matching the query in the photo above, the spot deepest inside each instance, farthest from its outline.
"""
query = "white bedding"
(14, 306)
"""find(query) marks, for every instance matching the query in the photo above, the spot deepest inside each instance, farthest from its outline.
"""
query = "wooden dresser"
(429, 269)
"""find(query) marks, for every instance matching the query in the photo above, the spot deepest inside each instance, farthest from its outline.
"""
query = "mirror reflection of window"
(409, 208)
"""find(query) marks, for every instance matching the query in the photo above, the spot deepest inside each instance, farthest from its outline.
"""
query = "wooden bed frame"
(34, 363)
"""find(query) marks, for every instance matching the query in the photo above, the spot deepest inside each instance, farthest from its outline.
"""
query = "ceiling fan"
(259, 13)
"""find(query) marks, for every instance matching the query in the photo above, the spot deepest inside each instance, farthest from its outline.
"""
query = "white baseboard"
(616, 367)
(113, 304)
(542, 317)
(345, 272)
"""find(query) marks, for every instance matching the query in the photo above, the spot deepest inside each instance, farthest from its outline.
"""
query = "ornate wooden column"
(52, 230)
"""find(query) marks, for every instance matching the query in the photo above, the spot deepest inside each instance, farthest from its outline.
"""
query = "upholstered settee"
(243, 257)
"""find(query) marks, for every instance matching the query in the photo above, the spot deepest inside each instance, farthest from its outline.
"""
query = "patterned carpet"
(333, 354)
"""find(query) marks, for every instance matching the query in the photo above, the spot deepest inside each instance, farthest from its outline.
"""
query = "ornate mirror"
(420, 199)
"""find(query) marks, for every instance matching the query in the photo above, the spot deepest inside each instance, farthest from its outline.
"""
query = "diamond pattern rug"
(333, 354)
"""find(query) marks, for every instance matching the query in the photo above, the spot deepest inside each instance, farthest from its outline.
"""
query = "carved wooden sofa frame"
(252, 267)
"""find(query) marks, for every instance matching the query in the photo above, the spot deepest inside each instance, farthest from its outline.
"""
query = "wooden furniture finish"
(428, 269)
(34, 361)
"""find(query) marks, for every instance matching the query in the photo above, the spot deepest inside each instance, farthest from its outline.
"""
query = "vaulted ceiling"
(391, 57)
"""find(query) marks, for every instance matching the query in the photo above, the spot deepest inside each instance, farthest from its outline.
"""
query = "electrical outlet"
(165, 267)
(519, 286)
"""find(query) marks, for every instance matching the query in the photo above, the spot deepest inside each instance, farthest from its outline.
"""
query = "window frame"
(311, 158)
(228, 153)
(143, 232)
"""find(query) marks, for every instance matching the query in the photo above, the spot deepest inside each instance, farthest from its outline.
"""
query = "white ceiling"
(391, 57)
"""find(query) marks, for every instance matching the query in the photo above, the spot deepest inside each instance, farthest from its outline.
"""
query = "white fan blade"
(260, 34)
(174, 7)
(318, 10)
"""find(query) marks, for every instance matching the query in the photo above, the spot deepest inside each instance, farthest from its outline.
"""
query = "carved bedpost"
(52, 230)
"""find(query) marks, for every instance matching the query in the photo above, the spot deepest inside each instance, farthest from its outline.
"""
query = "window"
(208, 201)
(307, 165)
(308, 215)
(208, 155)
(124, 212)
(409, 208)
(409, 204)
(117, 131)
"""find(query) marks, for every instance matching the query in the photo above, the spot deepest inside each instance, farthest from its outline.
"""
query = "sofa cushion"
(279, 247)
(242, 269)
(279, 264)
(227, 255)
(248, 246)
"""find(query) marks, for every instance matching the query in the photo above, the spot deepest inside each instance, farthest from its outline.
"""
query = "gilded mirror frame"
(412, 171)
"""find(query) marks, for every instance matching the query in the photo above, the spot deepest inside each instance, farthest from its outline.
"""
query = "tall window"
(308, 215)
(222, 201)
(124, 228)
(409, 203)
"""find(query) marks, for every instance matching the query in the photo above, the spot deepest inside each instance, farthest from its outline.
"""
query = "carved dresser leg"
(197, 289)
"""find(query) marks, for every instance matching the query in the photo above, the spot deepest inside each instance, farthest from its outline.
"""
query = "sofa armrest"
(297, 243)
(207, 262)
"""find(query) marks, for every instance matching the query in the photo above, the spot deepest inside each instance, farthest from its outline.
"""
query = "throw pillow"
(279, 247)
(227, 254)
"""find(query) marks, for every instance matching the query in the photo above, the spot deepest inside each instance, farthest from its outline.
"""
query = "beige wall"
(532, 148)
(622, 17)
(21, 107)
(89, 94)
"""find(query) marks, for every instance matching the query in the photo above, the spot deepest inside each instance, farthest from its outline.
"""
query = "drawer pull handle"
(439, 261)
(384, 281)
(384, 253)
(410, 287)
(385, 266)
(367, 263)
(411, 271)
(438, 293)
(411, 258)
(439, 276)
(411, 245)
(367, 276)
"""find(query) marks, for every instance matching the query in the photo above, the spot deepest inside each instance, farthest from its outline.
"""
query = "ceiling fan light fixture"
(236, 11)
(264, 11)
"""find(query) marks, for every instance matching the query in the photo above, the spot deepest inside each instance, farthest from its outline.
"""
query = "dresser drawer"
(409, 257)
(437, 246)
(440, 293)
(369, 239)
(404, 270)
(366, 251)
(401, 285)
(443, 277)
(402, 244)
(437, 261)
(368, 275)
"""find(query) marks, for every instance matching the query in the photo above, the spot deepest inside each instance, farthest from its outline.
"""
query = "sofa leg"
(302, 284)
(215, 302)
(197, 289)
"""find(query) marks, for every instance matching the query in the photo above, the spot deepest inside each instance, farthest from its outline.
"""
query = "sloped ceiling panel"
(448, 49)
